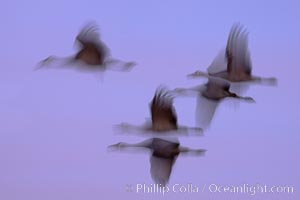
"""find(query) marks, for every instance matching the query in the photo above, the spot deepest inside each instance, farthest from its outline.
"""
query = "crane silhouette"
(237, 66)
(163, 156)
(92, 54)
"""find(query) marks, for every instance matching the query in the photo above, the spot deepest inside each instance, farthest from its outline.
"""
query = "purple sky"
(55, 125)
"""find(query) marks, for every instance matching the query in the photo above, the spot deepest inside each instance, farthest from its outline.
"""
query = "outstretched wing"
(237, 52)
(219, 64)
(161, 169)
(92, 49)
(205, 111)
(162, 111)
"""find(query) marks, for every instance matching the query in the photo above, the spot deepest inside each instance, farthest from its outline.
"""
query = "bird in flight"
(235, 64)
(92, 54)
(163, 117)
(209, 96)
(164, 153)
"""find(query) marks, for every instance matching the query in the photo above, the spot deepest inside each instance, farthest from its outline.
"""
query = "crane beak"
(249, 99)
(197, 74)
(192, 75)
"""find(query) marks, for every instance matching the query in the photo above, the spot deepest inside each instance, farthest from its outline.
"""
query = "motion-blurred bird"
(92, 54)
(163, 116)
(163, 156)
(209, 96)
(215, 89)
(236, 65)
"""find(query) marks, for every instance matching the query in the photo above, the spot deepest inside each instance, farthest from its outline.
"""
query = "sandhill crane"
(238, 67)
(209, 96)
(92, 54)
(163, 156)
(163, 116)
(215, 89)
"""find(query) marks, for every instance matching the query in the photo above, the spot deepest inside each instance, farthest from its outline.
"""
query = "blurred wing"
(89, 38)
(88, 33)
(161, 169)
(219, 64)
(205, 111)
(162, 110)
(237, 52)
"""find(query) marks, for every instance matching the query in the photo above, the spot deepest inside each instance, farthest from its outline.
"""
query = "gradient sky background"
(55, 125)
